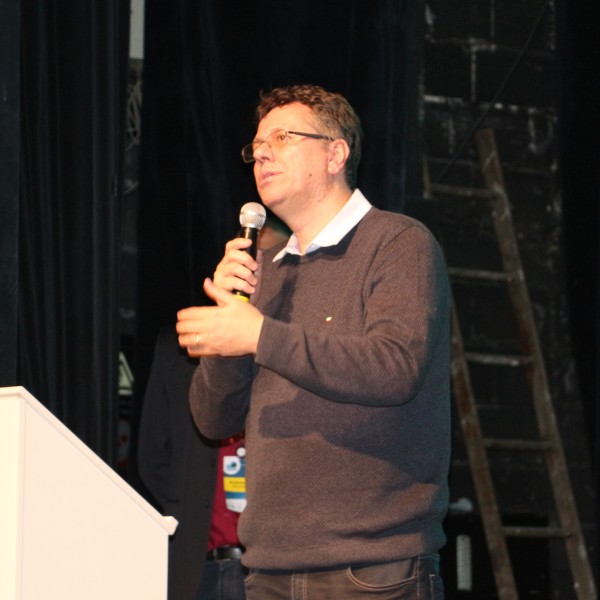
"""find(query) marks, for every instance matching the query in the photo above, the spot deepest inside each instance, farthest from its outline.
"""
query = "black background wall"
(63, 70)
(529, 80)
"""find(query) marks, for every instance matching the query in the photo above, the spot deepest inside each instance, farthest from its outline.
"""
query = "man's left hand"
(231, 328)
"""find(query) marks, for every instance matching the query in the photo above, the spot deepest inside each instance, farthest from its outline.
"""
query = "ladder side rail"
(482, 479)
(527, 333)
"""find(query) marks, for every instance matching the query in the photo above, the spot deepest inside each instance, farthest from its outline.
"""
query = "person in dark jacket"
(183, 470)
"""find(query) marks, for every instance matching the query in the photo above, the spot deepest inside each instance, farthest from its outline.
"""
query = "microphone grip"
(250, 233)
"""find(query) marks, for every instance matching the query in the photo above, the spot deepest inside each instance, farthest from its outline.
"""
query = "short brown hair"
(333, 112)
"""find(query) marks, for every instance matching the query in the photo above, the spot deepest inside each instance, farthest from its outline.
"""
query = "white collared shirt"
(349, 215)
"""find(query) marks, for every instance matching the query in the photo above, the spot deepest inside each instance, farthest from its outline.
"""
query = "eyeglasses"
(276, 140)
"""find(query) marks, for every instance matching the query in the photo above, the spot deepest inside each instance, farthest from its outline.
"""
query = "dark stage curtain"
(204, 64)
(73, 99)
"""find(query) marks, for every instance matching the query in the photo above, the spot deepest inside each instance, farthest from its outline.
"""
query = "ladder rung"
(466, 192)
(507, 360)
(479, 274)
(522, 445)
(536, 532)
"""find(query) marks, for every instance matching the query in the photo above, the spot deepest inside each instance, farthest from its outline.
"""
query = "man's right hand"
(236, 271)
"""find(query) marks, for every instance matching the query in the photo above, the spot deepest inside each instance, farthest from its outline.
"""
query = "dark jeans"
(415, 578)
(222, 580)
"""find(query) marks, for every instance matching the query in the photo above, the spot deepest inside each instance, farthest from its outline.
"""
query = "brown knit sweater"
(346, 403)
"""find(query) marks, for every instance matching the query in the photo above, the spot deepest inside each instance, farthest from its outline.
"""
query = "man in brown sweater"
(338, 370)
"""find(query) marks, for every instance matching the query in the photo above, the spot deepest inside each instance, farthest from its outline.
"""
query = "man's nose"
(263, 152)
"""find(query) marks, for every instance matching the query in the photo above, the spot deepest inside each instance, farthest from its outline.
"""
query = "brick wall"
(489, 64)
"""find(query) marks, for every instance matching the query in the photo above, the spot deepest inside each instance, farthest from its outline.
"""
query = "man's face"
(289, 177)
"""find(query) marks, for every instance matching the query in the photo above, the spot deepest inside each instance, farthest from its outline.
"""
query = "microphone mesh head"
(253, 214)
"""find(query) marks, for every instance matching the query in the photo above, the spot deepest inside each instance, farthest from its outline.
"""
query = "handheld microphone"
(252, 217)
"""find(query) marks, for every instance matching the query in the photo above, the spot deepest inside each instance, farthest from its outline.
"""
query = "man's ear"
(338, 155)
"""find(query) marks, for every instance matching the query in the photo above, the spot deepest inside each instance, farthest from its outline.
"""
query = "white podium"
(70, 527)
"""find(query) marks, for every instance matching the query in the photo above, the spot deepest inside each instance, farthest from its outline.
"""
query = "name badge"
(234, 482)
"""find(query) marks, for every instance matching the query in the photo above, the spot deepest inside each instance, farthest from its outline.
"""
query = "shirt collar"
(349, 215)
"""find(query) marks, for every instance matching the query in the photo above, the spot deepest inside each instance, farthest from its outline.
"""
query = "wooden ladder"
(548, 443)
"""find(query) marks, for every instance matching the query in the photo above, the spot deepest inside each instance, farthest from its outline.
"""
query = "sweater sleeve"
(219, 395)
(405, 302)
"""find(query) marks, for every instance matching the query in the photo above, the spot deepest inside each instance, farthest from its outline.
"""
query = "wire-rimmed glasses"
(276, 140)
